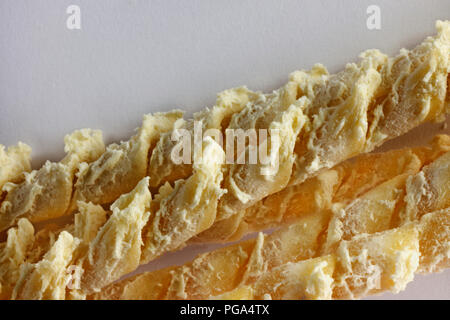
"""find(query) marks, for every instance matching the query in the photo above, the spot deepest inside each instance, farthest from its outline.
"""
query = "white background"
(135, 57)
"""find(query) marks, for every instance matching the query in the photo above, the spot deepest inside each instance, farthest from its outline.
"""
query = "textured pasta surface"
(348, 223)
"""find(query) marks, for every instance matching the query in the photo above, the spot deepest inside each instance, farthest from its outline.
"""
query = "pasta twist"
(323, 120)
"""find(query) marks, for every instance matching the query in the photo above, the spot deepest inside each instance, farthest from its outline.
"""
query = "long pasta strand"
(324, 119)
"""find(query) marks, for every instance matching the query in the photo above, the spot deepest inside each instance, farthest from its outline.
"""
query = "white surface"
(135, 57)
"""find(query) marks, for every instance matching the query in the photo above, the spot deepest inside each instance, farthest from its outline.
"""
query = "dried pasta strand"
(359, 267)
(364, 265)
(364, 105)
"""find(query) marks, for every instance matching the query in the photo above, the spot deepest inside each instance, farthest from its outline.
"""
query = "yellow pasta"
(353, 218)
